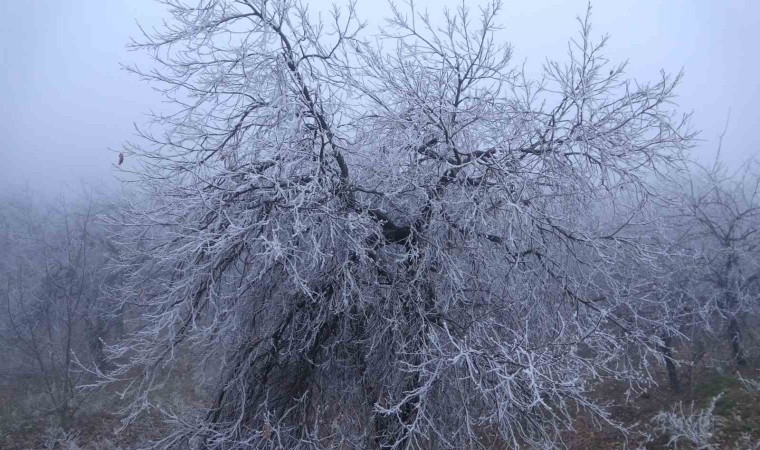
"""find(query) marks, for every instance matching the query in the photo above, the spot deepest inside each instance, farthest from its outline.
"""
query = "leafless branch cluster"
(696, 427)
(719, 221)
(51, 273)
(402, 242)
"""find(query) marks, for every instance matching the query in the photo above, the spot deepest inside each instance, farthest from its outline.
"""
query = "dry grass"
(737, 415)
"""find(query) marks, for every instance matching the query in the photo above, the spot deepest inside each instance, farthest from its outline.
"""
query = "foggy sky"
(66, 101)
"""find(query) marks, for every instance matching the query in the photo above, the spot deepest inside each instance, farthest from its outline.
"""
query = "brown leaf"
(266, 431)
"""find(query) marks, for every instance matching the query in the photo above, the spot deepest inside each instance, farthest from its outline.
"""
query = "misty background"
(413, 288)
(68, 106)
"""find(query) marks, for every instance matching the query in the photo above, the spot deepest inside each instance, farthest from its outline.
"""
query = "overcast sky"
(66, 102)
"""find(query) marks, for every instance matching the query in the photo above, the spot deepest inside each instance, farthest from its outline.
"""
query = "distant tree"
(720, 230)
(670, 280)
(51, 271)
(397, 243)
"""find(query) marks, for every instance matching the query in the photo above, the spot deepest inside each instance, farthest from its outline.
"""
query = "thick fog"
(410, 236)
(68, 106)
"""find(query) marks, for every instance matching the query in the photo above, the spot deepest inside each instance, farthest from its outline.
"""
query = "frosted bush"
(750, 385)
(56, 438)
(696, 427)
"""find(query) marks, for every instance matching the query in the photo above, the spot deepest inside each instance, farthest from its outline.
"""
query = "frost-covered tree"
(51, 275)
(397, 242)
(719, 227)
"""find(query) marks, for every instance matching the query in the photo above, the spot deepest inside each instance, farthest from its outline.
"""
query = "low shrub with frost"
(56, 438)
(749, 384)
(59, 439)
(696, 427)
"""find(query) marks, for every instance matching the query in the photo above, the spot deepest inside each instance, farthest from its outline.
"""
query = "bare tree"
(680, 313)
(398, 243)
(721, 231)
(51, 275)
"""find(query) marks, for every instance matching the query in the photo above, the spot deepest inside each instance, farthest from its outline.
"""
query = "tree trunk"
(667, 351)
(64, 415)
(735, 338)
